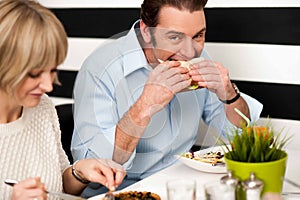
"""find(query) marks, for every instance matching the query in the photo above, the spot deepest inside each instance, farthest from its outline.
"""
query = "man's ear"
(145, 31)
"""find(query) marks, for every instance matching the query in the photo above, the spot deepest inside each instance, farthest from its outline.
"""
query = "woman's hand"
(103, 171)
(30, 188)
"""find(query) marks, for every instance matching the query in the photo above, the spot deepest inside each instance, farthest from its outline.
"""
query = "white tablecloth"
(157, 182)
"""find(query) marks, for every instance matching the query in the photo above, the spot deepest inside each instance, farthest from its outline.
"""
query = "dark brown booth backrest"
(65, 116)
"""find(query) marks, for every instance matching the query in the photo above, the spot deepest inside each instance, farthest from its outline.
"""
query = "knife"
(62, 195)
(65, 196)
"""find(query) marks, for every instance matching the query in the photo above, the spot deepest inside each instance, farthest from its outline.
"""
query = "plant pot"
(271, 173)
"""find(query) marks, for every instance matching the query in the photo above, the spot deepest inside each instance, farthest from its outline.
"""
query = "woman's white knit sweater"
(31, 147)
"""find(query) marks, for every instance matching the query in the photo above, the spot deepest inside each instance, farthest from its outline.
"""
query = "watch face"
(236, 88)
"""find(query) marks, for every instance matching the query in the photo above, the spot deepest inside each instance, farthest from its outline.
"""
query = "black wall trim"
(67, 80)
(236, 25)
(254, 25)
(97, 22)
(280, 100)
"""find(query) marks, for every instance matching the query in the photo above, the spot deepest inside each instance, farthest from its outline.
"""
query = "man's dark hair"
(150, 8)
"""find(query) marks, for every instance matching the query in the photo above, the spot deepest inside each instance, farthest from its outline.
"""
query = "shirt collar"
(133, 54)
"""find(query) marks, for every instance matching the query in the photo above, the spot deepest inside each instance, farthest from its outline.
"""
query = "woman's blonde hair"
(31, 37)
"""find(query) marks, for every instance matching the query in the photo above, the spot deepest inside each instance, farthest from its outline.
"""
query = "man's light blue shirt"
(110, 81)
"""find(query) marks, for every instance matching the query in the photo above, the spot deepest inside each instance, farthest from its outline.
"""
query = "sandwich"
(187, 64)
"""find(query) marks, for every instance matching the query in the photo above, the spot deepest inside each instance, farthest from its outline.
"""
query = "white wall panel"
(253, 3)
(79, 49)
(258, 62)
(137, 3)
(60, 101)
(91, 3)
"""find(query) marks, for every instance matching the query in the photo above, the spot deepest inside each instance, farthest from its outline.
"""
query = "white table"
(157, 182)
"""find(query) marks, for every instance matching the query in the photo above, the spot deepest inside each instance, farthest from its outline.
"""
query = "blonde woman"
(32, 44)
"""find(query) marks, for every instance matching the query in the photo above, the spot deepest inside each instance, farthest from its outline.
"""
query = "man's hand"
(163, 83)
(213, 76)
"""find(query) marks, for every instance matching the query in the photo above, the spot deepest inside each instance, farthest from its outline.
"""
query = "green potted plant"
(260, 150)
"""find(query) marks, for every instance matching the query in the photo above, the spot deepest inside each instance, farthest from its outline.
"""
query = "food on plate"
(136, 195)
(212, 157)
(187, 64)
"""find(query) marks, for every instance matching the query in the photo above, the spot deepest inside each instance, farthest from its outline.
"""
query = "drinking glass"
(181, 189)
(216, 191)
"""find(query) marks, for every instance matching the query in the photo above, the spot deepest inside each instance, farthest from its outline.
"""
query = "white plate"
(202, 166)
(159, 192)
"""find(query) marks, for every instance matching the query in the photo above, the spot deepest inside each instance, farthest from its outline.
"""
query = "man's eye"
(173, 37)
(199, 37)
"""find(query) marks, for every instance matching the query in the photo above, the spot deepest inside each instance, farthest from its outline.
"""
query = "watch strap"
(76, 176)
(234, 98)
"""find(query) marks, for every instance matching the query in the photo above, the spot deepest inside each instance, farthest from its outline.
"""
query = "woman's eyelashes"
(38, 74)
(34, 75)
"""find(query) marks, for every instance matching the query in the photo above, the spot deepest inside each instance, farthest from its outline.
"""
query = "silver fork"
(63, 196)
(109, 196)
